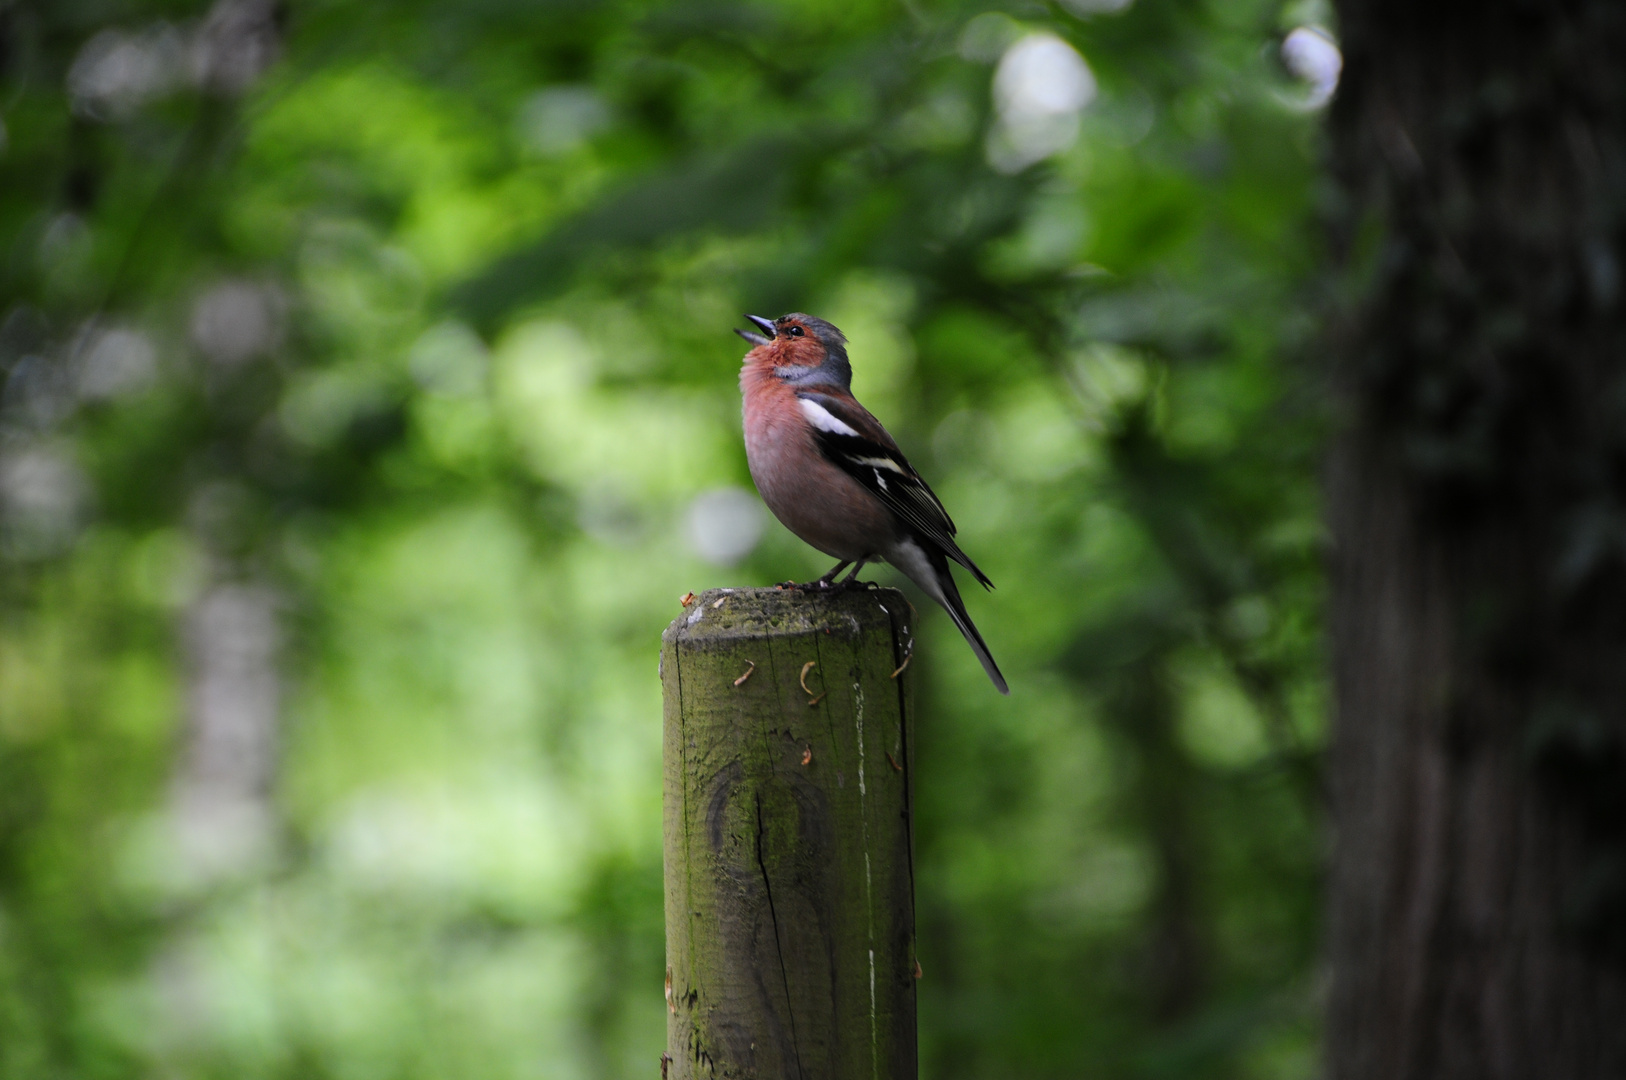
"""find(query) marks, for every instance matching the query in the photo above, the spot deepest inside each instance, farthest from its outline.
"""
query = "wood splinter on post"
(908, 654)
(789, 893)
(803, 680)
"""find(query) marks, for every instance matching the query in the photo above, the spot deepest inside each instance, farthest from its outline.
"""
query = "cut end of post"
(751, 612)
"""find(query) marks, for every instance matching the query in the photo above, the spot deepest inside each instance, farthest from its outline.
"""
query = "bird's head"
(800, 349)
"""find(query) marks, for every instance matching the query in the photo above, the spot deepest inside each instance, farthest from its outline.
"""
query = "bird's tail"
(930, 570)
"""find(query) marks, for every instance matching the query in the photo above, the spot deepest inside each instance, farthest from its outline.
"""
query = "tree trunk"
(1478, 503)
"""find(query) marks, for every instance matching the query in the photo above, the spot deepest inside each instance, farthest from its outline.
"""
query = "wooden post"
(790, 944)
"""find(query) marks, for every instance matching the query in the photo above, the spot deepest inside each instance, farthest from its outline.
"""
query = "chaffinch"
(833, 475)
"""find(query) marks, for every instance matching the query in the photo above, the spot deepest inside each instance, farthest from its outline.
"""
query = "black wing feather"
(901, 489)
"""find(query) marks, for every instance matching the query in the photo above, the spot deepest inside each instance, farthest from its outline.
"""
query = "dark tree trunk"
(1478, 502)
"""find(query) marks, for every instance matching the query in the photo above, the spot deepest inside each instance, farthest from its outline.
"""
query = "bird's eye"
(793, 330)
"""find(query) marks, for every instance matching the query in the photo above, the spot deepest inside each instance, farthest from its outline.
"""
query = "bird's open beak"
(767, 328)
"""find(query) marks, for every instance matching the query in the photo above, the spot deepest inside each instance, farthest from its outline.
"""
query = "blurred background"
(369, 401)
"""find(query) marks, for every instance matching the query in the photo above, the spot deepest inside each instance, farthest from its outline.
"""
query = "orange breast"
(813, 498)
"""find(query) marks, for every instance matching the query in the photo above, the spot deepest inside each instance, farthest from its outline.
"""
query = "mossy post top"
(733, 613)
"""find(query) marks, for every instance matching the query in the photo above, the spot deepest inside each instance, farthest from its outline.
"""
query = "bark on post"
(789, 885)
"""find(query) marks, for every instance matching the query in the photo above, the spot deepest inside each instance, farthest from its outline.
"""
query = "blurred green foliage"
(363, 364)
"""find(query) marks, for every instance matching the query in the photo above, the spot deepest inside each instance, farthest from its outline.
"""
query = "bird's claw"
(826, 585)
(846, 585)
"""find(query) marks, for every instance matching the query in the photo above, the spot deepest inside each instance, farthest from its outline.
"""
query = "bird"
(833, 475)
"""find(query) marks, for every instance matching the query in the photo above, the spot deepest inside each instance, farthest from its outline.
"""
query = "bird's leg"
(820, 583)
(824, 582)
(851, 580)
